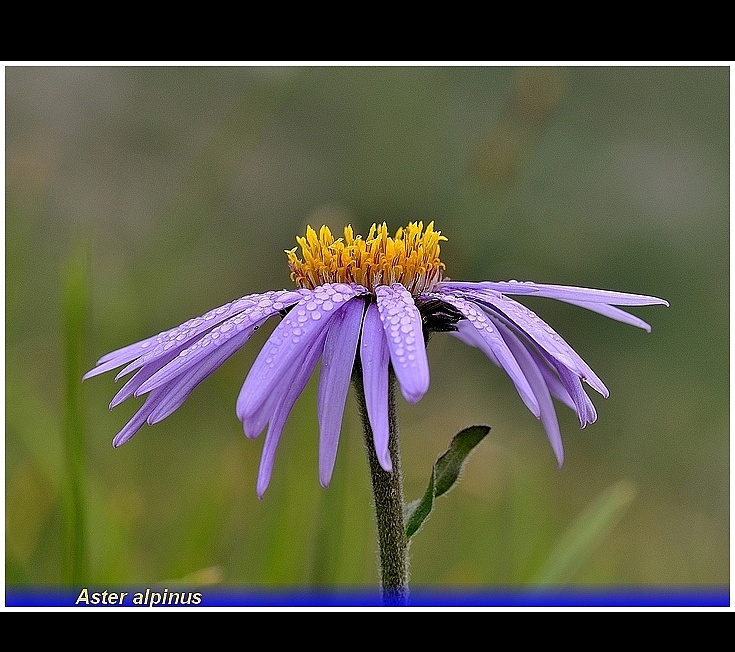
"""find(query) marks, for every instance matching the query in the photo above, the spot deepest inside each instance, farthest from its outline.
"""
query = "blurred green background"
(138, 197)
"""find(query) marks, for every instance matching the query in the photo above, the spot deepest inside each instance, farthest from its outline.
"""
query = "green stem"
(388, 497)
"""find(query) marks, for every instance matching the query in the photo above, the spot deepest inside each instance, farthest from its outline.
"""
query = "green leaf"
(444, 475)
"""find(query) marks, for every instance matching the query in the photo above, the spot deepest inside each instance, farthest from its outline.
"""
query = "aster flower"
(365, 305)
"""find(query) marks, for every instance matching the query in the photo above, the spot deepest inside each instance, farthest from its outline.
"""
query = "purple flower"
(365, 305)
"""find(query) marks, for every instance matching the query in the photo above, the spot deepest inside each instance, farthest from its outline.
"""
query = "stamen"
(410, 258)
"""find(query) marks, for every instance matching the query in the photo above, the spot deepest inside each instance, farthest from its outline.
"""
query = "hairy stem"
(388, 497)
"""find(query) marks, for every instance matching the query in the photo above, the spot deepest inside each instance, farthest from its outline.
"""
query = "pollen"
(410, 257)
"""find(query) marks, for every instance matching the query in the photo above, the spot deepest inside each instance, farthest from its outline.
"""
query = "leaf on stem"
(444, 475)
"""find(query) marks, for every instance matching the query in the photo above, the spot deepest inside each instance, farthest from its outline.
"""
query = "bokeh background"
(140, 196)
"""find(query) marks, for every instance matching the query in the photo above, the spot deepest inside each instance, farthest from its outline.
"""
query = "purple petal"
(493, 345)
(180, 337)
(404, 333)
(374, 357)
(471, 337)
(562, 292)
(468, 335)
(613, 313)
(540, 389)
(247, 321)
(548, 371)
(143, 374)
(178, 389)
(119, 357)
(304, 367)
(334, 382)
(299, 329)
(583, 406)
(540, 332)
(138, 419)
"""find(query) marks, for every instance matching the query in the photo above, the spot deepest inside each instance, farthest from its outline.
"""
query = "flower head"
(371, 301)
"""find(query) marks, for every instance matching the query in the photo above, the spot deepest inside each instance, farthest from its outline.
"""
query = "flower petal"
(178, 388)
(583, 405)
(470, 337)
(494, 346)
(540, 332)
(195, 345)
(567, 293)
(536, 380)
(374, 357)
(138, 419)
(143, 374)
(304, 367)
(338, 360)
(180, 337)
(613, 313)
(123, 355)
(404, 334)
(298, 330)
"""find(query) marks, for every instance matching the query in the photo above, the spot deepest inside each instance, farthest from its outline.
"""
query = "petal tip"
(413, 395)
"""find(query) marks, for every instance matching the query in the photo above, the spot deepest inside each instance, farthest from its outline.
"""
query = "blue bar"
(219, 596)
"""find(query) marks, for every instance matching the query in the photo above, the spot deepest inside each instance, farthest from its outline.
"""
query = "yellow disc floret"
(410, 258)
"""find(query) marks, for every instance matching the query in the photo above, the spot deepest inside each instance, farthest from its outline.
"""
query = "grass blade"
(74, 307)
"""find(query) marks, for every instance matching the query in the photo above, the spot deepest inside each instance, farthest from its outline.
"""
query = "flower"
(365, 304)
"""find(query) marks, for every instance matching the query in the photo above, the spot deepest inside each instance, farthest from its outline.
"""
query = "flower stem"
(388, 497)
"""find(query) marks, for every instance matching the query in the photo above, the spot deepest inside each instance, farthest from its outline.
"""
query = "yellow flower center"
(410, 258)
